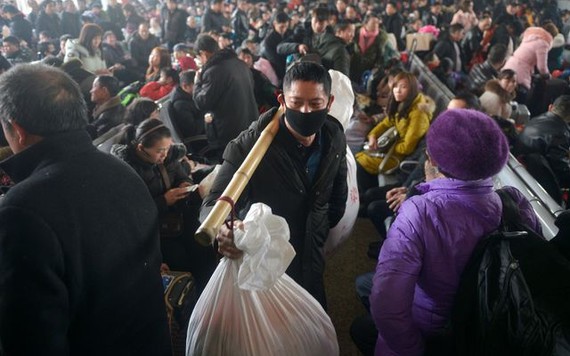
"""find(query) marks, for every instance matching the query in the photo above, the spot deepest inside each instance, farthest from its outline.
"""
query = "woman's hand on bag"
(395, 197)
(175, 194)
(372, 143)
(226, 245)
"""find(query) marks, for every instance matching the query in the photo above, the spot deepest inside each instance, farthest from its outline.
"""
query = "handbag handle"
(164, 175)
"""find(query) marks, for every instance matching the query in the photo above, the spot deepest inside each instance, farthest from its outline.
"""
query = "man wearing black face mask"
(302, 176)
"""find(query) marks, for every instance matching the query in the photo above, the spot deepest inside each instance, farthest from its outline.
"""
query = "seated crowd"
(172, 87)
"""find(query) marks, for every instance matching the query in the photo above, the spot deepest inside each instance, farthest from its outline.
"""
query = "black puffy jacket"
(225, 89)
(549, 136)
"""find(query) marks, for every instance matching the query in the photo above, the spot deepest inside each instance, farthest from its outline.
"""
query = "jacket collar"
(218, 57)
(108, 105)
(456, 185)
(51, 149)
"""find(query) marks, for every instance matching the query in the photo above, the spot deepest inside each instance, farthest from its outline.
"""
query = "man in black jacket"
(108, 111)
(302, 177)
(483, 72)
(471, 43)
(393, 23)
(240, 22)
(225, 90)
(317, 37)
(214, 20)
(80, 257)
(19, 26)
(186, 116)
(549, 136)
(140, 46)
(272, 40)
(48, 20)
(174, 24)
(447, 46)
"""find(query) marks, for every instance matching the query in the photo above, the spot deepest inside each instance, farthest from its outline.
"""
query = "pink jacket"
(533, 51)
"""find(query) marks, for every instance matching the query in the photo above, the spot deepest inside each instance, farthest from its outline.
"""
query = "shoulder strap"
(510, 217)
(164, 175)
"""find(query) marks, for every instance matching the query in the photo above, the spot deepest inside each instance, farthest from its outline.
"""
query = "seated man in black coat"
(108, 111)
(549, 136)
(187, 118)
(80, 257)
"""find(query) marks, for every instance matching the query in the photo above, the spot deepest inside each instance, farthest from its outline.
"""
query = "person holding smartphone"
(159, 163)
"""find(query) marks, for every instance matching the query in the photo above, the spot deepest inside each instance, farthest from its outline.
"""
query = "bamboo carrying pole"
(207, 232)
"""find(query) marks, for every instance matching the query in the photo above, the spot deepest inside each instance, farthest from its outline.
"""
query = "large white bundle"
(249, 307)
(342, 231)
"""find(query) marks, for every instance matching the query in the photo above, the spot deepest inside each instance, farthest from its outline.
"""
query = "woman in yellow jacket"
(410, 112)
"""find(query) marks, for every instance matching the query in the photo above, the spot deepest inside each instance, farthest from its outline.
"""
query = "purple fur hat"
(467, 145)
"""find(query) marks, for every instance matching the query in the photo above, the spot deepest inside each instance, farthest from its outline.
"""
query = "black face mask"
(306, 124)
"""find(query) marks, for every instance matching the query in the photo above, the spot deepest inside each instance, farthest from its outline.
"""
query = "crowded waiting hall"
(297, 177)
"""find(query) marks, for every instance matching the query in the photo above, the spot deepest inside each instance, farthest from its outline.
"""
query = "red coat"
(155, 90)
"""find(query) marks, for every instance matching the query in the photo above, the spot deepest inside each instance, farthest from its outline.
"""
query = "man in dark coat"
(108, 111)
(225, 90)
(394, 23)
(140, 46)
(186, 116)
(302, 177)
(483, 72)
(447, 46)
(48, 20)
(269, 45)
(549, 136)
(70, 20)
(19, 26)
(213, 19)
(317, 38)
(240, 22)
(471, 43)
(80, 257)
(174, 24)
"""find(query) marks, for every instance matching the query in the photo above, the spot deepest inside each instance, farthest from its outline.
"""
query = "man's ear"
(281, 100)
(19, 133)
(331, 100)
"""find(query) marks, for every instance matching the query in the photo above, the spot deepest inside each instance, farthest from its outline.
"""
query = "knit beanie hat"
(467, 145)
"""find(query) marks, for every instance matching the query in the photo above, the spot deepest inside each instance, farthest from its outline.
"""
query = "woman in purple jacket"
(432, 239)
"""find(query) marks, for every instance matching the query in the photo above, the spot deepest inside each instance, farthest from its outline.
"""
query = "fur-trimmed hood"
(494, 86)
(426, 104)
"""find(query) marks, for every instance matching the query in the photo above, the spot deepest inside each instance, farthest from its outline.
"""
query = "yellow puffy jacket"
(410, 129)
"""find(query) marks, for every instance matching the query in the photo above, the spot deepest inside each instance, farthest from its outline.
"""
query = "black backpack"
(514, 295)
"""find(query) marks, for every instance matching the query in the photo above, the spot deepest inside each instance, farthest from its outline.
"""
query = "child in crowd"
(182, 59)
(159, 89)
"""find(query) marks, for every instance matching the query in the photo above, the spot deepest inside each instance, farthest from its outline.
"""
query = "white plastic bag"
(342, 106)
(271, 316)
(341, 232)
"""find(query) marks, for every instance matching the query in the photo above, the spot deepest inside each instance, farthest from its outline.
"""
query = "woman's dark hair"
(506, 74)
(88, 32)
(171, 73)
(139, 110)
(403, 108)
(148, 133)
